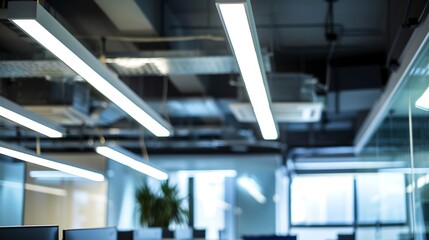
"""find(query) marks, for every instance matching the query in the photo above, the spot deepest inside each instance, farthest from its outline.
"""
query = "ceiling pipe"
(82, 145)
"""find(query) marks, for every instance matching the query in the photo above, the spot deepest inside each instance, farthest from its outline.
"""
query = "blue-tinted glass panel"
(381, 198)
(11, 192)
(320, 200)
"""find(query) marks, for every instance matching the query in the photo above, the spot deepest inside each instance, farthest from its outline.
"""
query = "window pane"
(381, 198)
(322, 200)
(210, 205)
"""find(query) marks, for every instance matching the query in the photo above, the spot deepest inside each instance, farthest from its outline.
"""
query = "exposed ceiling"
(189, 75)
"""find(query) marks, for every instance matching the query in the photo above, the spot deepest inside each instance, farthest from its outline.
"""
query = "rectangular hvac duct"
(297, 112)
(125, 66)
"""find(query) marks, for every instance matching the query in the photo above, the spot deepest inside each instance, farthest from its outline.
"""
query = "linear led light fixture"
(131, 160)
(33, 19)
(21, 116)
(31, 157)
(52, 175)
(237, 20)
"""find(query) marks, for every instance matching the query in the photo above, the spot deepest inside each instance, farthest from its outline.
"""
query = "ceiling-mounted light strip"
(21, 116)
(51, 175)
(237, 19)
(28, 156)
(45, 29)
(131, 160)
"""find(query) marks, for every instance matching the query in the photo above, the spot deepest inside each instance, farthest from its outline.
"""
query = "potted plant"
(161, 208)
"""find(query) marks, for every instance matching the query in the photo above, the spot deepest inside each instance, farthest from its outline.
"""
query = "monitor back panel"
(125, 235)
(147, 234)
(29, 233)
(90, 234)
(346, 237)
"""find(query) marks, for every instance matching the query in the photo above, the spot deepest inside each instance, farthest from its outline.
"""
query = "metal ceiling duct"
(64, 115)
(294, 100)
(189, 107)
(173, 66)
(283, 112)
(158, 66)
(190, 65)
(69, 115)
(49, 145)
(35, 68)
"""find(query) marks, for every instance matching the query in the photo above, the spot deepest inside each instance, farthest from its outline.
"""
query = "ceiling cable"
(332, 36)
(102, 57)
(407, 23)
(101, 138)
(38, 150)
(332, 46)
(424, 13)
(391, 64)
(143, 148)
(207, 37)
(330, 33)
(164, 100)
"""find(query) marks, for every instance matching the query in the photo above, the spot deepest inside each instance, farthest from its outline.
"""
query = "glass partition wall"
(403, 135)
(385, 195)
(12, 180)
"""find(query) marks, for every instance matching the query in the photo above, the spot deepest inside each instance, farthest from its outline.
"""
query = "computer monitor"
(183, 234)
(270, 237)
(147, 234)
(125, 235)
(346, 237)
(90, 234)
(199, 234)
(29, 233)
(167, 233)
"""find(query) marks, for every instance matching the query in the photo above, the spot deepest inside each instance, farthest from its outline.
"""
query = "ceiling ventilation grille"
(64, 115)
(30, 68)
(283, 112)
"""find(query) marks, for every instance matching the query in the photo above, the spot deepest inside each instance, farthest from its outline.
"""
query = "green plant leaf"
(160, 209)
